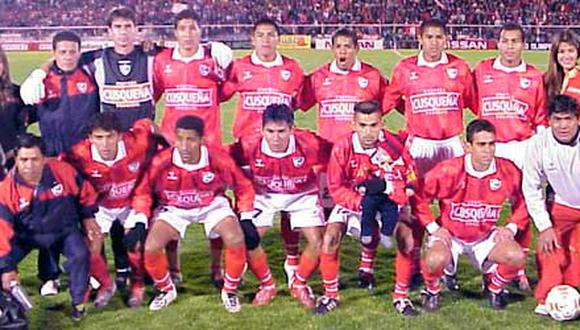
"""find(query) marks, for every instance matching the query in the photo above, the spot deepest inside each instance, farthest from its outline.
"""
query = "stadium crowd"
(111, 165)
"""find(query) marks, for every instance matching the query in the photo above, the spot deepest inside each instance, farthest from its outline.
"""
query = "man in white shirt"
(553, 157)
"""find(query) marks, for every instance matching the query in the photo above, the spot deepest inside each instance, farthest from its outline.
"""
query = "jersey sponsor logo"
(124, 67)
(259, 100)
(186, 198)
(82, 87)
(281, 184)
(525, 83)
(340, 107)
(188, 97)
(57, 189)
(298, 161)
(503, 106)
(452, 73)
(207, 177)
(120, 190)
(126, 94)
(133, 167)
(285, 74)
(474, 212)
(494, 184)
(363, 82)
(434, 102)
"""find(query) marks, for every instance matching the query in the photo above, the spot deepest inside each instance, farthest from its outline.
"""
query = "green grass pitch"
(198, 304)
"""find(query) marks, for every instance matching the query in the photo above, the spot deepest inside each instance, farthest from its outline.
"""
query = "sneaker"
(541, 310)
(429, 301)
(50, 288)
(264, 295)
(122, 279)
(136, 296)
(79, 312)
(451, 282)
(289, 270)
(325, 305)
(366, 280)
(304, 295)
(104, 295)
(405, 307)
(497, 300)
(176, 278)
(231, 302)
(162, 299)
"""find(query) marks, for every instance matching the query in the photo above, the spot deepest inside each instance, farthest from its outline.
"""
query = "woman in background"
(563, 76)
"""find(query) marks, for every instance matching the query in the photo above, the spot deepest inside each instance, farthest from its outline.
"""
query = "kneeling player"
(187, 183)
(471, 191)
(113, 162)
(281, 162)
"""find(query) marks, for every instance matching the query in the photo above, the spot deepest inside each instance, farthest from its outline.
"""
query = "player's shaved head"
(193, 123)
(278, 113)
(185, 14)
(432, 23)
(476, 126)
(266, 21)
(125, 13)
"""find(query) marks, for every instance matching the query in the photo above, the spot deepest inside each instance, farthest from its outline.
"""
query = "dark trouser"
(371, 204)
(48, 261)
(76, 252)
(119, 251)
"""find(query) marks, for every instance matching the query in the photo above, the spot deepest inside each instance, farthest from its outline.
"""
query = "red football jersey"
(169, 182)
(259, 86)
(434, 96)
(190, 87)
(115, 181)
(336, 94)
(513, 101)
(291, 172)
(470, 206)
(350, 165)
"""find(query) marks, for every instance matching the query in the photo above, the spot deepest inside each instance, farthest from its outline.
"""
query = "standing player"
(436, 87)
(349, 166)
(471, 191)
(262, 78)
(281, 164)
(337, 87)
(510, 94)
(113, 162)
(187, 183)
(553, 157)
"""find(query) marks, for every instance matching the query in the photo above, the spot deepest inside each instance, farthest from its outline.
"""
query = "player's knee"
(515, 256)
(435, 261)
(315, 246)
(330, 242)
(79, 255)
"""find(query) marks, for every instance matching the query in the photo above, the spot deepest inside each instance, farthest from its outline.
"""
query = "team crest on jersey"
(134, 167)
(57, 190)
(124, 67)
(487, 79)
(525, 83)
(298, 161)
(171, 176)
(247, 75)
(207, 177)
(413, 75)
(494, 184)
(82, 87)
(326, 82)
(363, 82)
(203, 70)
(259, 163)
(452, 73)
(285, 74)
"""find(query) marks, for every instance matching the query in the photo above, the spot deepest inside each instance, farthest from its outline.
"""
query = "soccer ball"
(563, 303)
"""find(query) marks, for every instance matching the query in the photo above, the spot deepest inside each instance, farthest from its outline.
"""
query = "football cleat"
(162, 299)
(104, 295)
(304, 295)
(497, 300)
(366, 280)
(231, 302)
(541, 310)
(136, 296)
(325, 305)
(79, 312)
(289, 270)
(176, 278)
(122, 278)
(429, 301)
(264, 295)
(451, 282)
(405, 307)
(50, 288)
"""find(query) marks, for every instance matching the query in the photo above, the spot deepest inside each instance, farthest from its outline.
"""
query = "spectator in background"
(563, 73)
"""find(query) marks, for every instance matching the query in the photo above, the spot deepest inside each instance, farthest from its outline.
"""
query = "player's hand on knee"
(32, 89)
(8, 278)
(91, 228)
(503, 235)
(251, 235)
(444, 235)
(134, 236)
(548, 241)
